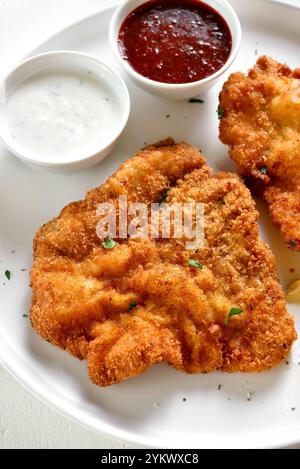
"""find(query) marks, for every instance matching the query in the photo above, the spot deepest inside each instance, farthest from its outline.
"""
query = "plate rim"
(23, 378)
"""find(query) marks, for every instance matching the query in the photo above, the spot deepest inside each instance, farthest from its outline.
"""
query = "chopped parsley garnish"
(196, 264)
(196, 100)
(164, 196)
(264, 170)
(132, 305)
(109, 243)
(232, 312)
(25, 316)
(8, 274)
(220, 111)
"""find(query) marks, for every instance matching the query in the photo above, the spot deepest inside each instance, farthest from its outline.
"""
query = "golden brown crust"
(82, 292)
(261, 125)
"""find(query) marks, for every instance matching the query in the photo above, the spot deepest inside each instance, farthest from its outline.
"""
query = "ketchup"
(175, 41)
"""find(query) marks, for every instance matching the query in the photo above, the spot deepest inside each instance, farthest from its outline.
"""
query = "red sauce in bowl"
(175, 41)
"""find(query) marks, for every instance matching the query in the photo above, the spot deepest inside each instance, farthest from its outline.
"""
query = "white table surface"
(25, 422)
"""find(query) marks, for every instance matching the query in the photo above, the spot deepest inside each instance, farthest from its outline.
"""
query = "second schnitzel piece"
(127, 306)
(261, 125)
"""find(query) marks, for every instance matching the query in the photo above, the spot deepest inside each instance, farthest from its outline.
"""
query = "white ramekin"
(167, 90)
(65, 60)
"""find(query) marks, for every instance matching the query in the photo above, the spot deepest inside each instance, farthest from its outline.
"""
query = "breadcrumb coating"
(261, 125)
(83, 293)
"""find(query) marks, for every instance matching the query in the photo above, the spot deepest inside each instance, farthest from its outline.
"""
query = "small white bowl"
(169, 90)
(70, 61)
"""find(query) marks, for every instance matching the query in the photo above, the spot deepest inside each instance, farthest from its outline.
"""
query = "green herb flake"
(232, 312)
(132, 305)
(196, 100)
(25, 316)
(109, 243)
(8, 274)
(164, 196)
(264, 170)
(196, 264)
(220, 111)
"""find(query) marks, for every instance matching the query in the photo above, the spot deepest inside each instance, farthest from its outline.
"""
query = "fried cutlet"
(261, 125)
(141, 303)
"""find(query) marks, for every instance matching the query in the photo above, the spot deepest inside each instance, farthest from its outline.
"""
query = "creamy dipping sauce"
(60, 114)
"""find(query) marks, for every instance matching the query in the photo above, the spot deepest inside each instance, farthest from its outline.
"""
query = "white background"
(24, 421)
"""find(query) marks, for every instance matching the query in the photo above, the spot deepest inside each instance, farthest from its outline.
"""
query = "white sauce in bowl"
(61, 114)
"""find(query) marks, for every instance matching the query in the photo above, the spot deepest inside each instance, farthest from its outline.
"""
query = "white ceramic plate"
(208, 417)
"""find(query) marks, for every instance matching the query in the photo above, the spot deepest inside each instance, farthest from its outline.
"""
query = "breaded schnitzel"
(146, 301)
(261, 125)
